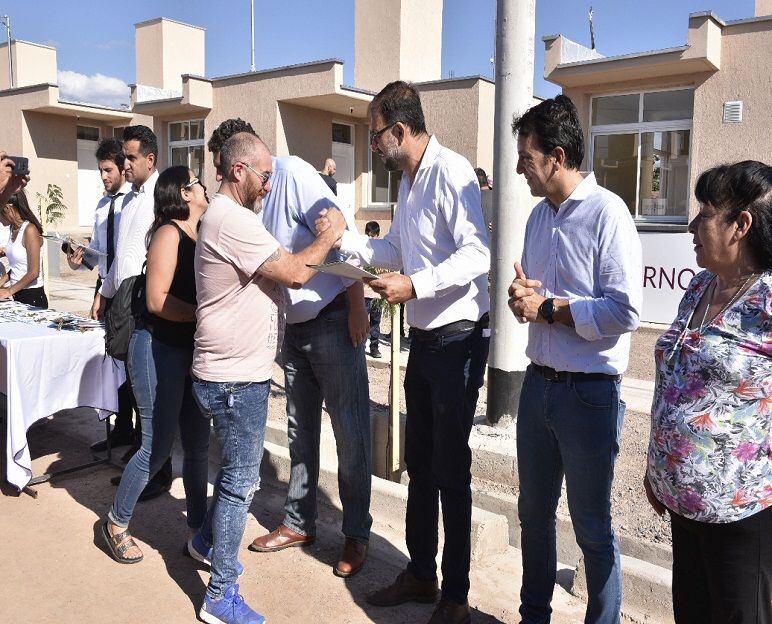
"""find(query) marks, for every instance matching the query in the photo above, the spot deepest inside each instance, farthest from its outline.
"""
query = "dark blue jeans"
(442, 383)
(238, 411)
(321, 363)
(569, 428)
(162, 388)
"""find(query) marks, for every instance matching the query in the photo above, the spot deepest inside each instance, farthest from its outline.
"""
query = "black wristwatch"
(547, 309)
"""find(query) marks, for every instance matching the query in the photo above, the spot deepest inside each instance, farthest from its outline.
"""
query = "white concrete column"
(515, 31)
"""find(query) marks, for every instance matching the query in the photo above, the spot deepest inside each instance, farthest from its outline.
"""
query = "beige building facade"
(304, 109)
(653, 121)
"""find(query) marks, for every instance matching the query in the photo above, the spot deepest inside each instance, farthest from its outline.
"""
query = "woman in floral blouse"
(710, 461)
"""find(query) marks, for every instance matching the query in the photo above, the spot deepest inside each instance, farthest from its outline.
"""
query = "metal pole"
(512, 202)
(252, 32)
(7, 24)
(394, 383)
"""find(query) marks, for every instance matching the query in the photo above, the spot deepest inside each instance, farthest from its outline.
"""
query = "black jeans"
(442, 383)
(722, 573)
(32, 296)
(374, 310)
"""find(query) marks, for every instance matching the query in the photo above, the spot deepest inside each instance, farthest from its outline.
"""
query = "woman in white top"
(23, 281)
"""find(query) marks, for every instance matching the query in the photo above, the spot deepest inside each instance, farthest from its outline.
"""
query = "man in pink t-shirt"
(240, 268)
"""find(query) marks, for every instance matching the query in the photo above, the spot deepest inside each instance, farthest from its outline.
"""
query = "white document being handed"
(343, 269)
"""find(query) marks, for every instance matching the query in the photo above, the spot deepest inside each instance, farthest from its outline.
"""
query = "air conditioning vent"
(733, 112)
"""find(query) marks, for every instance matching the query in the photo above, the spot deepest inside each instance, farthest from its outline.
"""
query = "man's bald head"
(242, 147)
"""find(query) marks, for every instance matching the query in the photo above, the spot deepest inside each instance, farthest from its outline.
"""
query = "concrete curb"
(490, 533)
(646, 590)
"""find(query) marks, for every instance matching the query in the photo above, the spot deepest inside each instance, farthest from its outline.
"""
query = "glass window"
(615, 109)
(197, 129)
(88, 133)
(186, 145)
(615, 163)
(384, 184)
(668, 105)
(664, 173)
(380, 182)
(178, 131)
(197, 160)
(118, 132)
(179, 156)
(341, 133)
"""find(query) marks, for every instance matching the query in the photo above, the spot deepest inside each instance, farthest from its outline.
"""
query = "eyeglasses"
(375, 135)
(193, 182)
(263, 176)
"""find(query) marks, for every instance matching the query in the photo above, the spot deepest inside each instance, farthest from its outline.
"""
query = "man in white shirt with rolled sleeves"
(140, 151)
(439, 239)
(580, 290)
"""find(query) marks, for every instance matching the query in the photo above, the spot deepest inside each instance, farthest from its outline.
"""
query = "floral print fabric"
(709, 451)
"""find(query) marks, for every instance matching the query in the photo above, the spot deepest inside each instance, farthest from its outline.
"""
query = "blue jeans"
(442, 383)
(161, 383)
(321, 363)
(569, 428)
(238, 411)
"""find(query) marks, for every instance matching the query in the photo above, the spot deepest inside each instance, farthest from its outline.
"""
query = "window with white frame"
(640, 148)
(186, 145)
(384, 184)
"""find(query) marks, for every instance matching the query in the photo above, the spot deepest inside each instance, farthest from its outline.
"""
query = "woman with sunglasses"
(24, 280)
(159, 359)
(710, 449)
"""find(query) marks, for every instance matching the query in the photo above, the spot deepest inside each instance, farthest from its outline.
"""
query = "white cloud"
(95, 89)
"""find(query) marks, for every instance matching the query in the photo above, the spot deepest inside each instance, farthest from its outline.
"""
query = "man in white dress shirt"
(439, 239)
(140, 151)
(110, 159)
(580, 290)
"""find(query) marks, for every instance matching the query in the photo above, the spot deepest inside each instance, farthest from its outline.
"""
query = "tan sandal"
(118, 544)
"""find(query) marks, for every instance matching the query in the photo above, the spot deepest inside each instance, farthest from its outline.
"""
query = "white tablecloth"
(42, 371)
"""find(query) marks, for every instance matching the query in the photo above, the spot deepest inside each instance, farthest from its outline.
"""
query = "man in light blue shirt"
(324, 359)
(580, 290)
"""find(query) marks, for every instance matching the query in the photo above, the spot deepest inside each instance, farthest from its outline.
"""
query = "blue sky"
(95, 40)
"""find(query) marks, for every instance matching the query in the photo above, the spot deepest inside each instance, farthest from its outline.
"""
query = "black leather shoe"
(116, 439)
(152, 490)
(451, 612)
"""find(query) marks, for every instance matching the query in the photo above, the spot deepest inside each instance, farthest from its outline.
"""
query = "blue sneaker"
(198, 549)
(230, 609)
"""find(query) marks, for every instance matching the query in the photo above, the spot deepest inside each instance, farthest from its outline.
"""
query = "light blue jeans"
(568, 428)
(162, 387)
(238, 411)
(321, 363)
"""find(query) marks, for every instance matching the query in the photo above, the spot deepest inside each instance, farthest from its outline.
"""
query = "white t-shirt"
(16, 253)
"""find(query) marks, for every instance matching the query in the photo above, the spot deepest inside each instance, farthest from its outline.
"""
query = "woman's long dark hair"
(745, 185)
(169, 203)
(19, 201)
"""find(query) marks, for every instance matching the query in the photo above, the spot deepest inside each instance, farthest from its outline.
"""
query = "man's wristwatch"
(547, 309)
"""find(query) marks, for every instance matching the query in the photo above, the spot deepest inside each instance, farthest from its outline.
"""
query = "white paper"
(343, 269)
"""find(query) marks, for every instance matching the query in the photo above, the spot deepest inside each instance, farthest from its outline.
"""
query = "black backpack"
(121, 314)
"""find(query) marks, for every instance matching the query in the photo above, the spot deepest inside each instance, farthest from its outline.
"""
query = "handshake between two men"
(393, 287)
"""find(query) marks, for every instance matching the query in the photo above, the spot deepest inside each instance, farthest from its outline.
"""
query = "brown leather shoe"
(451, 612)
(283, 537)
(405, 588)
(352, 559)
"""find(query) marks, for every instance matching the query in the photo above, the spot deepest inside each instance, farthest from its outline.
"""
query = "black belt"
(338, 303)
(552, 375)
(450, 329)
